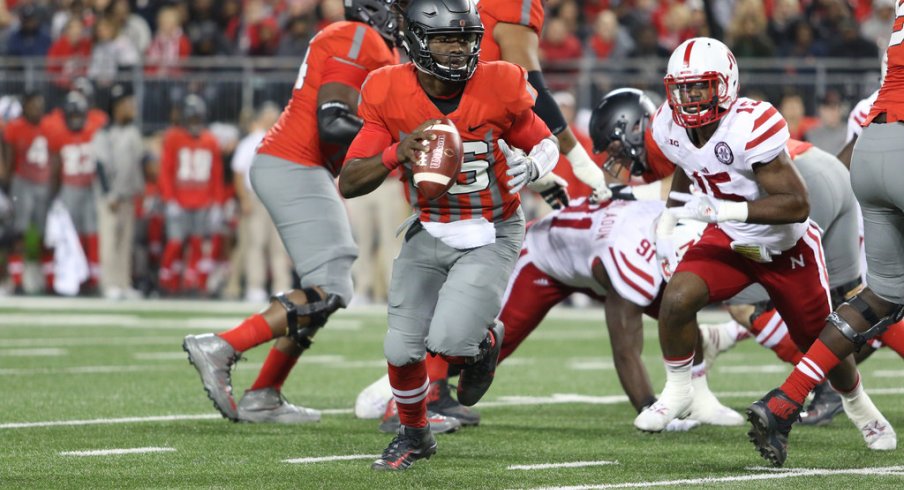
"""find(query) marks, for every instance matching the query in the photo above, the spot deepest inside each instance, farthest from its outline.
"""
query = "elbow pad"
(545, 106)
(336, 123)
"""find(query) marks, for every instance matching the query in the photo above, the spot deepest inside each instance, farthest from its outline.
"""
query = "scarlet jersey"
(31, 153)
(344, 52)
(79, 165)
(95, 120)
(658, 166)
(191, 169)
(891, 95)
(524, 12)
(566, 243)
(496, 103)
(797, 148)
(858, 117)
(753, 132)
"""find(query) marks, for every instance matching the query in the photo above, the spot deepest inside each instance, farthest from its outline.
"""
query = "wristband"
(732, 211)
(390, 157)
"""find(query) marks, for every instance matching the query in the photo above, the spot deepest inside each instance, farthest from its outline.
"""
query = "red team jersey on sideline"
(191, 169)
(344, 52)
(95, 120)
(891, 95)
(524, 12)
(31, 153)
(79, 166)
(496, 103)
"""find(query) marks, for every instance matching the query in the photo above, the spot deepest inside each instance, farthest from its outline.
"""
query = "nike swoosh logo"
(471, 129)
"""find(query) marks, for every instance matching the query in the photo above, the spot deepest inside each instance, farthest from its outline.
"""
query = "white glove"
(702, 207)
(589, 173)
(552, 188)
(665, 243)
(522, 168)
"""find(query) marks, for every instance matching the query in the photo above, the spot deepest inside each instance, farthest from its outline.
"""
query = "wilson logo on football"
(436, 157)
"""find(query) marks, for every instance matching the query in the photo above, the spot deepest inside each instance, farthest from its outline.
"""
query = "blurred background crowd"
(814, 59)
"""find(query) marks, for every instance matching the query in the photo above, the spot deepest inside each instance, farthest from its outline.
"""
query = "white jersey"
(752, 132)
(566, 243)
(858, 117)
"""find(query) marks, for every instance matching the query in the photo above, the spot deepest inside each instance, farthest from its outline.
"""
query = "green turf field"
(81, 376)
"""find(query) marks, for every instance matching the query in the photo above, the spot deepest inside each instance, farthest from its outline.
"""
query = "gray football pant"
(81, 203)
(877, 175)
(188, 222)
(311, 219)
(833, 207)
(444, 299)
(31, 201)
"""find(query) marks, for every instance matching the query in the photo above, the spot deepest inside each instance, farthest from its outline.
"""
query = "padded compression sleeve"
(546, 106)
(336, 123)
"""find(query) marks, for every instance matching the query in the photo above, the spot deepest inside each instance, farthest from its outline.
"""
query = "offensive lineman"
(294, 177)
(448, 280)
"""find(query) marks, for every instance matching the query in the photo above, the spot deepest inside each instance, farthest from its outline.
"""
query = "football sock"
(47, 268)
(678, 371)
(409, 389)
(809, 372)
(437, 368)
(92, 253)
(252, 332)
(15, 267)
(894, 338)
(275, 370)
(772, 332)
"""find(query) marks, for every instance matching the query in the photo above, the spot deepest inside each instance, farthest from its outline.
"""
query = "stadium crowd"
(87, 44)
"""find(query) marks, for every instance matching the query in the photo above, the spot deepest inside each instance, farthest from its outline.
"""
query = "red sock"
(169, 275)
(771, 332)
(894, 338)
(437, 368)
(275, 370)
(192, 277)
(252, 332)
(47, 268)
(16, 268)
(409, 388)
(810, 371)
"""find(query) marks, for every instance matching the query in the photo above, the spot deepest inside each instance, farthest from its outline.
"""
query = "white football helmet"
(701, 82)
(670, 249)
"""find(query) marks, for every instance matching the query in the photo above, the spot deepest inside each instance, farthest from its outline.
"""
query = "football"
(437, 168)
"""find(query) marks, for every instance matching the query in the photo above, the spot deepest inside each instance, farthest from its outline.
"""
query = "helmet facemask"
(696, 100)
(435, 52)
(626, 145)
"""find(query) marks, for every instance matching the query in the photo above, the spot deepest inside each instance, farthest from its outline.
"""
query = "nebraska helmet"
(701, 82)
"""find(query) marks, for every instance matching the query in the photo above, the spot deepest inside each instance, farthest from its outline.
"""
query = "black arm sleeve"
(546, 106)
(336, 123)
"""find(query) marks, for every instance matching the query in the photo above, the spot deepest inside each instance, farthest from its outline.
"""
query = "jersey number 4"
(473, 176)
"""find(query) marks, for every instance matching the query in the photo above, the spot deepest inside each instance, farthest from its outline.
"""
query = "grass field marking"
(123, 420)
(86, 370)
(36, 352)
(758, 368)
(776, 475)
(887, 373)
(325, 459)
(551, 466)
(117, 452)
(90, 341)
(160, 356)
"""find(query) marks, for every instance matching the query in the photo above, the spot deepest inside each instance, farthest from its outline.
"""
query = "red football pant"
(796, 280)
(772, 332)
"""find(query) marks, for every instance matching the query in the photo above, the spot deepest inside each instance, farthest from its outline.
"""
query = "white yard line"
(89, 341)
(37, 352)
(116, 452)
(85, 370)
(324, 459)
(552, 466)
(123, 420)
(755, 368)
(885, 373)
(789, 473)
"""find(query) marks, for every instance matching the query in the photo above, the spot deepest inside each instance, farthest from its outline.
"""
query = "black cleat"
(826, 404)
(476, 378)
(408, 446)
(440, 401)
(771, 419)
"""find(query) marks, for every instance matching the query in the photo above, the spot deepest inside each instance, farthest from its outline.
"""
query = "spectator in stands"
(256, 230)
(849, 44)
(785, 15)
(609, 39)
(803, 43)
(111, 51)
(878, 26)
(119, 150)
(559, 46)
(792, 108)
(330, 11)
(831, 132)
(676, 26)
(748, 34)
(68, 56)
(264, 38)
(131, 25)
(569, 12)
(31, 38)
(169, 45)
(295, 40)
(646, 43)
(207, 40)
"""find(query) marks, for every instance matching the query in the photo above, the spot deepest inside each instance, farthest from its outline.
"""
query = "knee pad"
(317, 310)
(400, 352)
(878, 325)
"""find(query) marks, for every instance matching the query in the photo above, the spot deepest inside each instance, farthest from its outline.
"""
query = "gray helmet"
(75, 111)
(623, 115)
(375, 13)
(425, 18)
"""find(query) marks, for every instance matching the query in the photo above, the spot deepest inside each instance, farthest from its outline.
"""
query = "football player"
(448, 280)
(293, 174)
(74, 171)
(191, 182)
(26, 152)
(874, 176)
(734, 150)
(513, 34)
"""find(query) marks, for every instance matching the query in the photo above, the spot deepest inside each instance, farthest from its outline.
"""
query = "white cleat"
(718, 338)
(707, 409)
(371, 403)
(267, 405)
(682, 425)
(670, 406)
(875, 428)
